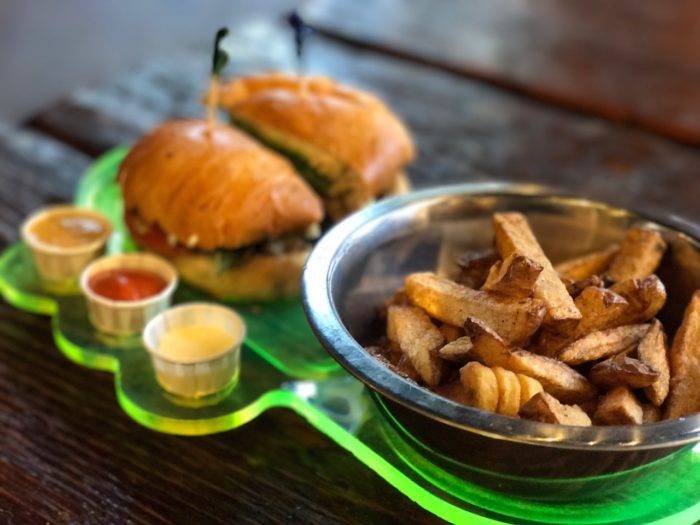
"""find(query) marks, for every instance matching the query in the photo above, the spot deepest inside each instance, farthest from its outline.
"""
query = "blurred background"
(628, 61)
(587, 95)
(48, 48)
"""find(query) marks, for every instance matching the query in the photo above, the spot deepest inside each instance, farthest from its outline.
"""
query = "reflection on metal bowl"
(364, 259)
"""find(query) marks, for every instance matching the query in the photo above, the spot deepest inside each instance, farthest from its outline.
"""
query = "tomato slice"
(150, 236)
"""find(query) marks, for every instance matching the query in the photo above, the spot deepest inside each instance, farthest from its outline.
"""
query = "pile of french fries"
(574, 344)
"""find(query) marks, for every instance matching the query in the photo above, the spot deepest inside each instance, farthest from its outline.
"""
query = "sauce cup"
(124, 317)
(59, 266)
(195, 377)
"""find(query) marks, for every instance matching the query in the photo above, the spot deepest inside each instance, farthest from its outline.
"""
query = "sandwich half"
(345, 142)
(233, 216)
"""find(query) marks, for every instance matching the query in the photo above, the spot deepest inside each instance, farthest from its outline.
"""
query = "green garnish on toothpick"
(219, 57)
(301, 31)
(218, 63)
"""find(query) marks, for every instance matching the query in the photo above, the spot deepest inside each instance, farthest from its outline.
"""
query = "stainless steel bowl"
(363, 260)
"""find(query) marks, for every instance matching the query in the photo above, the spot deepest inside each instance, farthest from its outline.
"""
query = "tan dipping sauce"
(193, 343)
(68, 229)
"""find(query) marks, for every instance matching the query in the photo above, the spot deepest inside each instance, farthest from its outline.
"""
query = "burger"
(345, 142)
(234, 217)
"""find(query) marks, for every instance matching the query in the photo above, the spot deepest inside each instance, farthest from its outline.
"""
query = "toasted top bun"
(356, 128)
(214, 188)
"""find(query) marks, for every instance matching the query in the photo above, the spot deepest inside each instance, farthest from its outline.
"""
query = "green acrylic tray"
(282, 365)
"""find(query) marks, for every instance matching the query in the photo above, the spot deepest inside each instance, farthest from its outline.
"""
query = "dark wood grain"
(68, 454)
(94, 120)
(629, 61)
(34, 170)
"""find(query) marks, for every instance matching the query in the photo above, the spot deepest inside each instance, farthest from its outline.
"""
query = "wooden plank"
(94, 120)
(35, 170)
(465, 130)
(70, 455)
(628, 61)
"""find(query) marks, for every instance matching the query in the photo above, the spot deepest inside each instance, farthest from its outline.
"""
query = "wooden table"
(629, 61)
(67, 452)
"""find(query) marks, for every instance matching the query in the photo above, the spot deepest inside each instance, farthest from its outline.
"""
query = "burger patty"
(153, 238)
(226, 259)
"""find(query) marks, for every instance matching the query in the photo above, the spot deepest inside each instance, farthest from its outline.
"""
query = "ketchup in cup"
(125, 291)
(127, 284)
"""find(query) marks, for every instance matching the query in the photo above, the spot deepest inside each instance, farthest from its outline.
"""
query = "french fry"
(622, 370)
(528, 388)
(556, 378)
(405, 368)
(451, 332)
(514, 277)
(418, 338)
(628, 302)
(492, 274)
(514, 236)
(639, 255)
(652, 350)
(619, 407)
(684, 396)
(549, 344)
(602, 344)
(399, 298)
(650, 413)
(547, 409)
(399, 364)
(589, 406)
(508, 391)
(645, 297)
(513, 389)
(447, 257)
(491, 304)
(457, 351)
(594, 263)
(514, 320)
(480, 386)
(600, 309)
(576, 287)
(474, 268)
(453, 391)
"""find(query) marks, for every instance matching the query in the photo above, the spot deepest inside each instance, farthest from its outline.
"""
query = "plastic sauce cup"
(59, 266)
(117, 317)
(194, 377)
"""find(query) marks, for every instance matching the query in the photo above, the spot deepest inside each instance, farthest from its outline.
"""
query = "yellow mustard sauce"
(192, 343)
(68, 229)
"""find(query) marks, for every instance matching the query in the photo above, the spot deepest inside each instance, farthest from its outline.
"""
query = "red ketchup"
(127, 284)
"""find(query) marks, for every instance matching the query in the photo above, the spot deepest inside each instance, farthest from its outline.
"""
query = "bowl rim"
(337, 340)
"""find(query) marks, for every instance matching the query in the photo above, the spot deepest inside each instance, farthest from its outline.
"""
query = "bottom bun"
(401, 185)
(263, 277)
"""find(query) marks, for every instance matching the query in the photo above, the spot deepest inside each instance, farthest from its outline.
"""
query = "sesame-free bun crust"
(214, 188)
(264, 277)
(354, 127)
